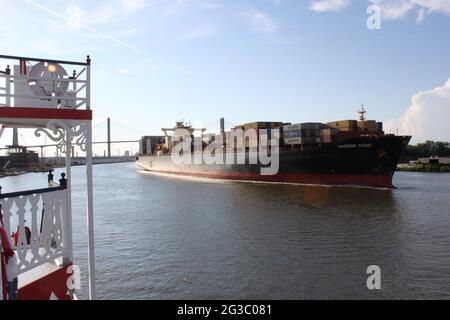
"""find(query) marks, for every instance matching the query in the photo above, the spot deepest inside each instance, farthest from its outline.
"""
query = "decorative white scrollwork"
(56, 134)
(56, 131)
(79, 133)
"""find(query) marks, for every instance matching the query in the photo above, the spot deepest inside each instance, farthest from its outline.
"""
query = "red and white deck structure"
(40, 94)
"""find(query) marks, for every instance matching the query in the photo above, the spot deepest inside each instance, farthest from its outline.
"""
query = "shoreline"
(402, 167)
(18, 173)
(431, 168)
(13, 174)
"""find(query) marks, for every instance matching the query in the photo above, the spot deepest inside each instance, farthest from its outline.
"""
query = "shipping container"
(147, 144)
(344, 125)
(292, 133)
(260, 125)
(380, 126)
(368, 125)
(329, 132)
(301, 140)
(301, 133)
(305, 126)
(301, 130)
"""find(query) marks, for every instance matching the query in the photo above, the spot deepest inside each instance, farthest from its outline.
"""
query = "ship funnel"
(222, 125)
(15, 141)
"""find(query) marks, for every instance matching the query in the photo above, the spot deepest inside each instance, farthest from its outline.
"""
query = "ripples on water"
(160, 237)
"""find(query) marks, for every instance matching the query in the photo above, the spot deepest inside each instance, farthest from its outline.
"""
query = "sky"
(158, 61)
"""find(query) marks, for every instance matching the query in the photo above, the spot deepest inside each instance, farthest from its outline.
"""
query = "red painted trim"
(42, 288)
(2, 258)
(377, 181)
(45, 113)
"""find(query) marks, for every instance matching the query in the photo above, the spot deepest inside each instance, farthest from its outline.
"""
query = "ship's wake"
(232, 181)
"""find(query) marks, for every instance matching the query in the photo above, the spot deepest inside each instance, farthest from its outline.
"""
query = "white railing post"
(8, 87)
(90, 211)
(74, 86)
(68, 246)
(88, 83)
(90, 193)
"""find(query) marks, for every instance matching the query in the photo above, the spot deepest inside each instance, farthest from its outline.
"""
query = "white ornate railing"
(39, 83)
(74, 98)
(43, 212)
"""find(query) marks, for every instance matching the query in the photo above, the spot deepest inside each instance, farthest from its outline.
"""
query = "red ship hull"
(376, 181)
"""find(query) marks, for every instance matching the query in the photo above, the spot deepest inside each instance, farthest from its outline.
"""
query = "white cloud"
(329, 5)
(427, 116)
(396, 9)
(390, 9)
(98, 15)
(261, 22)
(421, 13)
(133, 5)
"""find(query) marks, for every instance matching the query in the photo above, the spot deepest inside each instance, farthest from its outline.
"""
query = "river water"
(160, 237)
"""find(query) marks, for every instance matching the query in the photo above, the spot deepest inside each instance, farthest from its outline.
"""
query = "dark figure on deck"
(27, 235)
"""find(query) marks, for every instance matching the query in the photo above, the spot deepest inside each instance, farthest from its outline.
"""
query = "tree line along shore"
(428, 149)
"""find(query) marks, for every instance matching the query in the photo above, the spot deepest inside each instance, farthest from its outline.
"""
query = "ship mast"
(362, 113)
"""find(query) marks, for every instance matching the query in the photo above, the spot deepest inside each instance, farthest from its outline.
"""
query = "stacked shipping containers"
(344, 125)
(368, 126)
(328, 134)
(292, 134)
(302, 133)
(147, 144)
(259, 125)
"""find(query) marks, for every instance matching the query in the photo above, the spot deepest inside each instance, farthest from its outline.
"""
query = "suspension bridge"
(105, 156)
(108, 142)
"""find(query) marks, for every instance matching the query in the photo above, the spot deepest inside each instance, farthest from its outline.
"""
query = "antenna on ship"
(362, 113)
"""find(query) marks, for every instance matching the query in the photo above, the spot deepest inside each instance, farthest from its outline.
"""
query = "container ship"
(338, 153)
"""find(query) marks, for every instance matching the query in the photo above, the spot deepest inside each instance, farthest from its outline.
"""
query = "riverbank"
(60, 163)
(421, 167)
(80, 161)
(11, 174)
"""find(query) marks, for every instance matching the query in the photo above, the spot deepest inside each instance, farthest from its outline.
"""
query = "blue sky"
(158, 61)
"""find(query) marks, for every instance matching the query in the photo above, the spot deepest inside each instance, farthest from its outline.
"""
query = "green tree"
(427, 149)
